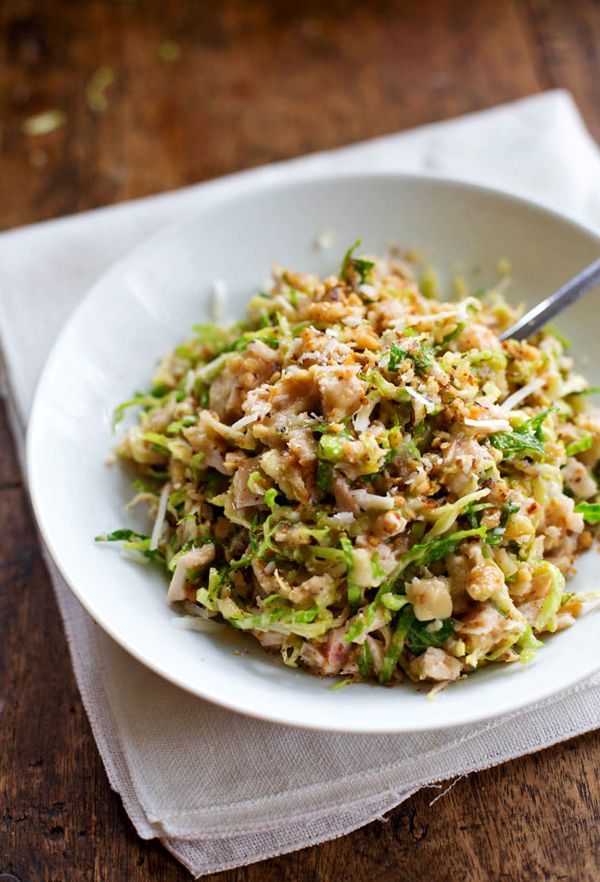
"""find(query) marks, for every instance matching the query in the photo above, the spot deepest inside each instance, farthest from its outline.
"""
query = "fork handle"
(569, 293)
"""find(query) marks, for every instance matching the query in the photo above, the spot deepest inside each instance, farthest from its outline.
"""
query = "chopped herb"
(421, 635)
(526, 440)
(495, 535)
(421, 359)
(517, 444)
(359, 264)
(363, 268)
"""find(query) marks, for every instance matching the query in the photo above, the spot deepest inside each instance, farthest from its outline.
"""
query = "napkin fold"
(187, 771)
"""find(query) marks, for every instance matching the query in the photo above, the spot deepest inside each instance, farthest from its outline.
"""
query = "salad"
(366, 479)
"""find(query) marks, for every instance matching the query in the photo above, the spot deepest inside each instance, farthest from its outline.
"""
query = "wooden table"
(255, 81)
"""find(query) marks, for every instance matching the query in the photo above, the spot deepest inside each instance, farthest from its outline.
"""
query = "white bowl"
(148, 302)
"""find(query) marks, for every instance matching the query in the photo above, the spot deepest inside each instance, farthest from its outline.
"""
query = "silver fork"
(569, 293)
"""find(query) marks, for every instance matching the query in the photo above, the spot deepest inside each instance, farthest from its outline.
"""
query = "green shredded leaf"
(133, 541)
(159, 474)
(591, 390)
(422, 435)
(406, 618)
(270, 497)
(354, 590)
(385, 388)
(347, 260)
(579, 446)
(120, 536)
(429, 284)
(177, 425)
(143, 487)
(331, 447)
(546, 617)
(140, 399)
(564, 341)
(365, 661)
(408, 449)
(528, 644)
(160, 443)
(341, 684)
(445, 341)
(393, 601)
(119, 412)
(325, 476)
(590, 512)
(424, 553)
(187, 546)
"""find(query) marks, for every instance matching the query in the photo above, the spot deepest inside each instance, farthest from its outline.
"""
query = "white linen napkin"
(221, 790)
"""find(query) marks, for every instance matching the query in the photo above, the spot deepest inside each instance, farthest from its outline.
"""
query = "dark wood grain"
(565, 45)
(255, 82)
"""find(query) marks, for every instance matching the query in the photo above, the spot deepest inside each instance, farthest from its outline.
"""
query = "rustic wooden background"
(254, 81)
